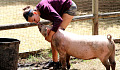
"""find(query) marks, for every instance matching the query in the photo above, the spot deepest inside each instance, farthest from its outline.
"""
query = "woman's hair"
(27, 12)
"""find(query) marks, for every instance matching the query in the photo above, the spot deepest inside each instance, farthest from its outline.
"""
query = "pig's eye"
(40, 29)
(41, 24)
(34, 19)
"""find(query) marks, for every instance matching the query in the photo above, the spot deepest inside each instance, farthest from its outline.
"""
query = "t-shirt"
(53, 10)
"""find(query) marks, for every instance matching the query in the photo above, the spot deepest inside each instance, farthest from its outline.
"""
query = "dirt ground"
(36, 63)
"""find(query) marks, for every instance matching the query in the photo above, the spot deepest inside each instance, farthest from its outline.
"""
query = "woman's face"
(34, 19)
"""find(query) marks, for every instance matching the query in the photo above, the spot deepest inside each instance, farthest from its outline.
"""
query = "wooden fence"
(94, 16)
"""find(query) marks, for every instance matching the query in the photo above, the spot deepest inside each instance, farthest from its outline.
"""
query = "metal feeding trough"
(9, 50)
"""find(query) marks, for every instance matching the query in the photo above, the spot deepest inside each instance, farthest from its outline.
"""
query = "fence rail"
(76, 18)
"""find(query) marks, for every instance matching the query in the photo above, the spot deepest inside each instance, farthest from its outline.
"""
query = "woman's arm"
(49, 37)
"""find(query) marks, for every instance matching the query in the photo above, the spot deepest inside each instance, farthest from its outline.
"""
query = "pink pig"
(82, 46)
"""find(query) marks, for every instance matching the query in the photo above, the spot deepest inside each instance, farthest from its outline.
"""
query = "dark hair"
(27, 12)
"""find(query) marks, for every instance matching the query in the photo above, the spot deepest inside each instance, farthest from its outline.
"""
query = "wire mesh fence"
(11, 13)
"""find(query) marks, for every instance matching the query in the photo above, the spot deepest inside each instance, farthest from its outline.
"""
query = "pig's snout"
(40, 26)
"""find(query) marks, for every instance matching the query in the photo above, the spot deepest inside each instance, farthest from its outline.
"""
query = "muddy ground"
(37, 61)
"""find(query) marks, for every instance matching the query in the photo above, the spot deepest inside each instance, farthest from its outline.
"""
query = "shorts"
(72, 10)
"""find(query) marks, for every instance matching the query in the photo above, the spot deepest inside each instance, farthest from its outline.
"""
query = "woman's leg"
(66, 20)
(68, 15)
(54, 54)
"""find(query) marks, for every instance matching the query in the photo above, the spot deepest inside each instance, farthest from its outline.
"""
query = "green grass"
(50, 54)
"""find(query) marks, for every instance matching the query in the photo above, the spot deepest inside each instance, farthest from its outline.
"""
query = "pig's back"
(82, 46)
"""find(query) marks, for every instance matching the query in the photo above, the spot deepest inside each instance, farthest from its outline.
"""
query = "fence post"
(95, 14)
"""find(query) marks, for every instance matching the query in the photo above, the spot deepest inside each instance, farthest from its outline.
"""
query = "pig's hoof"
(56, 66)
(63, 68)
(68, 66)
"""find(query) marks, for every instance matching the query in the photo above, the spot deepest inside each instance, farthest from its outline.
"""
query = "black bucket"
(9, 53)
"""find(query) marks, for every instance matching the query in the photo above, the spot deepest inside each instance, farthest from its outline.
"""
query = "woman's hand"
(49, 37)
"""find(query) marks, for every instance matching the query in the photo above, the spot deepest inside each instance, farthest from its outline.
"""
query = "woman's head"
(31, 15)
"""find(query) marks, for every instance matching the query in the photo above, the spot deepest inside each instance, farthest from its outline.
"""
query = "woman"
(60, 12)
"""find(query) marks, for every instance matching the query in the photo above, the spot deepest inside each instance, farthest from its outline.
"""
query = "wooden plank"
(117, 40)
(83, 17)
(95, 14)
(90, 16)
(110, 14)
(15, 26)
(21, 25)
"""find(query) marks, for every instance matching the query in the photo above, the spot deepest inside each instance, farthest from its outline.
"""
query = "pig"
(81, 46)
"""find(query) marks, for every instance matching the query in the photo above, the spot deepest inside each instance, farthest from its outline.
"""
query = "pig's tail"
(109, 37)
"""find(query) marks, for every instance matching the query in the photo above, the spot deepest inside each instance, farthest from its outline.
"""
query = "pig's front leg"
(63, 61)
(67, 60)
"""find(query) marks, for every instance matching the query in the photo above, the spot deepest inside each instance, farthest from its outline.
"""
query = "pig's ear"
(47, 30)
(50, 23)
(46, 22)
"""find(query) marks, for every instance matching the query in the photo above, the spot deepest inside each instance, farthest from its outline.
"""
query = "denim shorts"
(72, 10)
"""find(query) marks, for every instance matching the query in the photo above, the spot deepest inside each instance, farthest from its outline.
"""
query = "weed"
(32, 59)
(50, 54)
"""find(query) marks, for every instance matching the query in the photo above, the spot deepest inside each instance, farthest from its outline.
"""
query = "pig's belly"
(82, 53)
